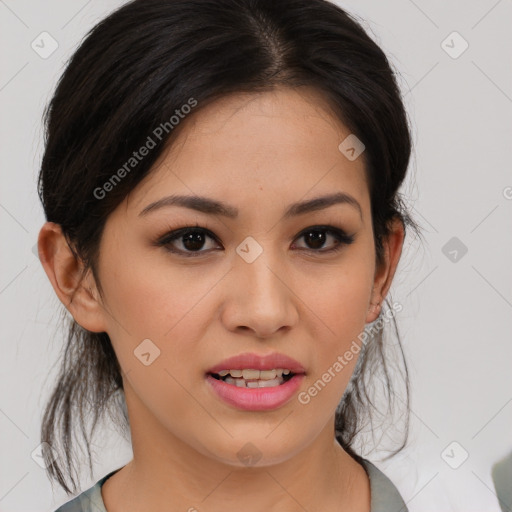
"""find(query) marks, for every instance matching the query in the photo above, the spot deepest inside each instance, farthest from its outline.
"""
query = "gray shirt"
(384, 495)
(502, 478)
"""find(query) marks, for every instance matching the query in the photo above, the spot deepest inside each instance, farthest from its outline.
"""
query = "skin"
(258, 153)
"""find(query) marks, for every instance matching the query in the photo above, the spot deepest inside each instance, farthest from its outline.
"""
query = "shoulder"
(384, 495)
(89, 500)
(502, 479)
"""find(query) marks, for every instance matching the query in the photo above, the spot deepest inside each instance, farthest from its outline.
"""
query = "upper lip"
(258, 362)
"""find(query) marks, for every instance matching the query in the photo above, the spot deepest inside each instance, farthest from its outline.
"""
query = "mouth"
(252, 378)
(255, 382)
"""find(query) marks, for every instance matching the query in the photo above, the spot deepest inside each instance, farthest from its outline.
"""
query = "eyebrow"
(214, 207)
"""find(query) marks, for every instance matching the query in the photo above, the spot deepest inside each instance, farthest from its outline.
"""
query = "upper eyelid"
(184, 229)
(176, 234)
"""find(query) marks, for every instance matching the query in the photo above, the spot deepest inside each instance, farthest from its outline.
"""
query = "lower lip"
(256, 399)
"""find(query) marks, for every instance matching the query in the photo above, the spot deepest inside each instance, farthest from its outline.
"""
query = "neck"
(167, 474)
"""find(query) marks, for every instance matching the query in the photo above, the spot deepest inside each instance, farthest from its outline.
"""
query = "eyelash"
(165, 241)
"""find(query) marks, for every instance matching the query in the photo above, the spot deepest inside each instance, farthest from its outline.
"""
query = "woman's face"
(259, 281)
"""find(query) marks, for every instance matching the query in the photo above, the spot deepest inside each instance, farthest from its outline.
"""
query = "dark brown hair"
(130, 74)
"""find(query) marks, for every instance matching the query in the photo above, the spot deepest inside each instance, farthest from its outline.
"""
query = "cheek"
(153, 300)
(156, 313)
(340, 296)
(335, 356)
(159, 315)
(339, 301)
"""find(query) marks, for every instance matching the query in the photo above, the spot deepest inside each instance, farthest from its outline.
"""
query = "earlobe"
(373, 312)
(64, 270)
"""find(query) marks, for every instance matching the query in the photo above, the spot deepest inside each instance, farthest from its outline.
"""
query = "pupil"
(317, 236)
(193, 241)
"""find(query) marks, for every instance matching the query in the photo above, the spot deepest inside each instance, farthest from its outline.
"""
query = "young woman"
(220, 182)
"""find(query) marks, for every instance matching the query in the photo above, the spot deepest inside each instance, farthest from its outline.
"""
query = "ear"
(392, 245)
(64, 271)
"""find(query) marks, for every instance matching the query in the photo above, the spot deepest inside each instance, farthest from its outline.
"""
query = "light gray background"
(456, 323)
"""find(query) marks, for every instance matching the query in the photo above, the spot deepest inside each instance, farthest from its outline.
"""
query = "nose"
(260, 298)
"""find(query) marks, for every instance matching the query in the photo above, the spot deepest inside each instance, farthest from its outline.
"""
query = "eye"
(190, 240)
(316, 236)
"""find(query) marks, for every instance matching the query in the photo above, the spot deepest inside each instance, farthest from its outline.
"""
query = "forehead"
(283, 142)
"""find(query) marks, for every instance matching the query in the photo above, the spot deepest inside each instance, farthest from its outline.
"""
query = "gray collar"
(384, 495)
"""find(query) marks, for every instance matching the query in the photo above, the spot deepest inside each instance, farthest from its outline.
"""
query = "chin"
(255, 451)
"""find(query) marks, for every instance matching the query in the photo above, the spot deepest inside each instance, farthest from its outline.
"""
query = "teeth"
(270, 383)
(257, 383)
(236, 382)
(254, 378)
(251, 378)
(251, 374)
(264, 383)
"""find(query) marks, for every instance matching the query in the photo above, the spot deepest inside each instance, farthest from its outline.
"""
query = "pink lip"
(257, 399)
(258, 362)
